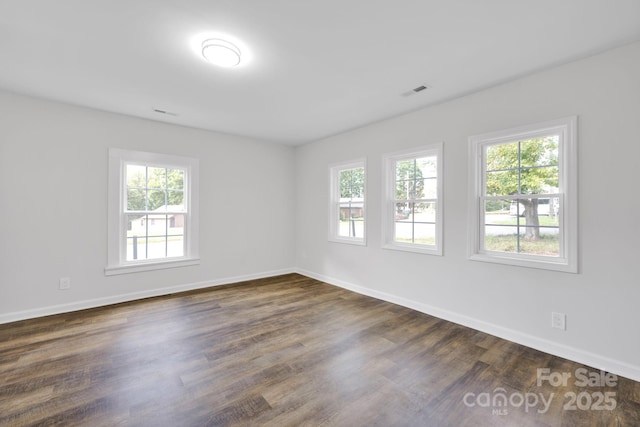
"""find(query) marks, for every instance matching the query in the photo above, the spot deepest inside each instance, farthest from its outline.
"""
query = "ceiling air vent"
(415, 90)
(168, 113)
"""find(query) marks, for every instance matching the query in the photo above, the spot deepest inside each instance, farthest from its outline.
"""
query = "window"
(347, 205)
(413, 202)
(153, 211)
(524, 196)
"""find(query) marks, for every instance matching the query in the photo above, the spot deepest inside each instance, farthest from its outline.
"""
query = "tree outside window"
(525, 175)
(523, 196)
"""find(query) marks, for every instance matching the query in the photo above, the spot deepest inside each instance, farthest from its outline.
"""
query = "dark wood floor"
(284, 351)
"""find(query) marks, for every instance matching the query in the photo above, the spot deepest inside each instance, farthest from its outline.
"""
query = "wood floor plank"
(281, 351)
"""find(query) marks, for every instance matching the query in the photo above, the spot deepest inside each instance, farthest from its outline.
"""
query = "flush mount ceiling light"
(221, 52)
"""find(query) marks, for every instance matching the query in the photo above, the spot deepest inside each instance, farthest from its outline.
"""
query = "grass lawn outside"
(547, 244)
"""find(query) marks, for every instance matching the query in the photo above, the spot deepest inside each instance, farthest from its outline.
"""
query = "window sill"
(554, 265)
(348, 241)
(149, 266)
(420, 249)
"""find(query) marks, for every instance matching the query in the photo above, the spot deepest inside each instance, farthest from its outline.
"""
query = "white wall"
(601, 302)
(53, 206)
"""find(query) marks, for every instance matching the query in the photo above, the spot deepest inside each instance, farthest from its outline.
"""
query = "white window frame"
(389, 201)
(334, 202)
(117, 223)
(566, 128)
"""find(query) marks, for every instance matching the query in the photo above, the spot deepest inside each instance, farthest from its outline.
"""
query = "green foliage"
(522, 168)
(409, 180)
(150, 188)
(525, 167)
(352, 183)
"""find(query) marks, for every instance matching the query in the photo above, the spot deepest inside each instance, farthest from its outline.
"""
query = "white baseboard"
(577, 355)
(115, 299)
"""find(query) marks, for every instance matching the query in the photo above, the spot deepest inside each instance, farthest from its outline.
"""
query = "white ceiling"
(313, 69)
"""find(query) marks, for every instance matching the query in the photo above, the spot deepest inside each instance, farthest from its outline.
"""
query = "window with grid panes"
(413, 203)
(348, 205)
(523, 186)
(153, 211)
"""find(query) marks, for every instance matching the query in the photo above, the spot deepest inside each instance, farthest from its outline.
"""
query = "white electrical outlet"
(559, 321)
(65, 283)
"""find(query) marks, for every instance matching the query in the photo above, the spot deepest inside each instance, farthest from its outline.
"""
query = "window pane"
(424, 234)
(156, 247)
(415, 189)
(501, 239)
(351, 210)
(501, 156)
(430, 189)
(501, 183)
(176, 179)
(427, 167)
(516, 208)
(501, 212)
(412, 212)
(405, 169)
(403, 189)
(345, 184)
(502, 226)
(519, 238)
(344, 211)
(176, 200)
(136, 225)
(527, 167)
(543, 207)
(135, 200)
(357, 190)
(157, 225)
(539, 151)
(546, 211)
(402, 211)
(136, 176)
(547, 243)
(357, 227)
(539, 180)
(351, 221)
(346, 190)
(425, 212)
(136, 248)
(497, 208)
(345, 228)
(352, 183)
(351, 227)
(157, 178)
(156, 200)
(176, 225)
(403, 231)
(175, 246)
